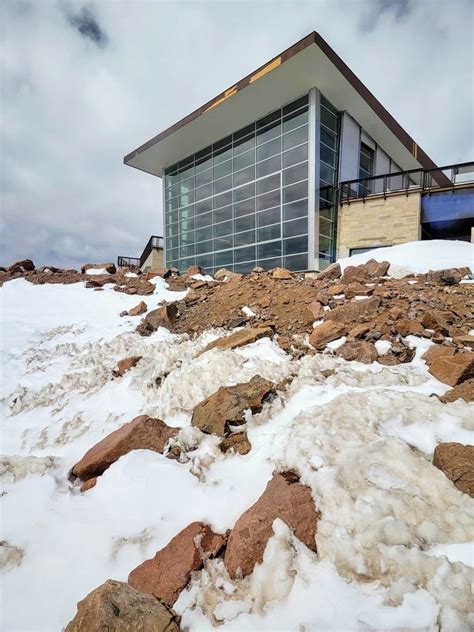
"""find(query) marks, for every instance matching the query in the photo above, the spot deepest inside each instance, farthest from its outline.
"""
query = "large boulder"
(226, 407)
(454, 369)
(239, 338)
(359, 351)
(457, 462)
(108, 267)
(284, 498)
(354, 310)
(464, 391)
(165, 575)
(330, 273)
(281, 273)
(142, 433)
(25, 265)
(438, 320)
(437, 351)
(117, 607)
(407, 327)
(164, 316)
(451, 276)
(370, 271)
(326, 332)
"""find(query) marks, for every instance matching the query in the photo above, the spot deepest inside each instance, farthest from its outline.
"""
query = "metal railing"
(155, 241)
(415, 179)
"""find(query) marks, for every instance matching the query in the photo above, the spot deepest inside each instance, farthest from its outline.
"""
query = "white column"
(313, 179)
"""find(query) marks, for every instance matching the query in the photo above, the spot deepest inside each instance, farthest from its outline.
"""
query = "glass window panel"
(244, 132)
(326, 173)
(328, 156)
(242, 193)
(271, 249)
(186, 173)
(244, 176)
(204, 246)
(205, 262)
(186, 186)
(224, 199)
(269, 232)
(186, 251)
(295, 120)
(296, 155)
(325, 244)
(203, 207)
(269, 166)
(225, 228)
(244, 268)
(328, 119)
(173, 242)
(244, 160)
(223, 214)
(325, 226)
(244, 254)
(328, 213)
(244, 223)
(295, 210)
(203, 192)
(221, 243)
(242, 239)
(175, 203)
(186, 212)
(187, 224)
(295, 174)
(244, 145)
(266, 218)
(268, 200)
(187, 238)
(223, 259)
(295, 192)
(268, 264)
(269, 149)
(295, 227)
(295, 105)
(268, 184)
(269, 118)
(203, 233)
(298, 262)
(244, 208)
(202, 164)
(268, 133)
(173, 253)
(203, 220)
(295, 245)
(223, 169)
(328, 138)
(223, 184)
(296, 137)
(204, 178)
(222, 154)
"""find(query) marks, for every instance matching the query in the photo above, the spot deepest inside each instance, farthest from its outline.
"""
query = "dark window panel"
(223, 184)
(295, 210)
(224, 259)
(203, 220)
(296, 137)
(295, 105)
(293, 156)
(244, 208)
(244, 132)
(244, 254)
(223, 214)
(188, 224)
(223, 169)
(295, 120)
(244, 268)
(295, 192)
(224, 199)
(203, 192)
(244, 176)
(328, 138)
(269, 149)
(295, 245)
(269, 166)
(268, 264)
(222, 154)
(203, 207)
(295, 263)
(328, 119)
(221, 243)
(225, 228)
(295, 227)
(328, 156)
(244, 160)
(265, 218)
(295, 174)
(242, 239)
(186, 251)
(244, 223)
(268, 184)
(270, 249)
(242, 193)
(203, 233)
(186, 212)
(269, 232)
(268, 200)
(204, 163)
(327, 174)
(269, 133)
(244, 145)
(268, 119)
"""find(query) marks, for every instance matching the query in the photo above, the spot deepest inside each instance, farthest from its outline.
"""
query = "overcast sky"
(84, 83)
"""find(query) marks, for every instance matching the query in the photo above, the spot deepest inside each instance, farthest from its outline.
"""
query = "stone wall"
(378, 222)
(155, 260)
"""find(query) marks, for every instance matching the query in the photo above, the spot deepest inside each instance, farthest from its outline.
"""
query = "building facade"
(252, 177)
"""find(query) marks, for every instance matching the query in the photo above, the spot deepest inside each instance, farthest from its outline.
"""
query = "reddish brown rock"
(227, 406)
(192, 296)
(237, 442)
(139, 309)
(326, 332)
(25, 265)
(126, 364)
(437, 351)
(281, 273)
(359, 351)
(337, 289)
(454, 369)
(226, 275)
(192, 270)
(108, 267)
(457, 462)
(330, 273)
(406, 327)
(369, 271)
(354, 310)
(359, 331)
(438, 320)
(464, 391)
(118, 607)
(168, 573)
(239, 338)
(356, 289)
(142, 433)
(284, 498)
(316, 309)
(451, 276)
(164, 316)
(91, 482)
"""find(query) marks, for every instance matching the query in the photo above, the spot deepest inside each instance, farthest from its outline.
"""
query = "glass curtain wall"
(243, 201)
(328, 163)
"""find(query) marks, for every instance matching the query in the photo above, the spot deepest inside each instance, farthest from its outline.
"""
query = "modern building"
(152, 257)
(270, 172)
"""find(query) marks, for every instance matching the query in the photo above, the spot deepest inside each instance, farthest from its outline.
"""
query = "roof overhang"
(309, 63)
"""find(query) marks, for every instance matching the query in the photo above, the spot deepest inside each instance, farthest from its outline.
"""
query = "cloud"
(72, 108)
(86, 24)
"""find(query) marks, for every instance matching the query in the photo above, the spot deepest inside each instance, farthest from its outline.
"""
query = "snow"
(247, 311)
(383, 346)
(202, 277)
(94, 271)
(362, 439)
(418, 256)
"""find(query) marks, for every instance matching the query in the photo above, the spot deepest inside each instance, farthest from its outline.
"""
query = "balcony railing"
(416, 179)
(155, 241)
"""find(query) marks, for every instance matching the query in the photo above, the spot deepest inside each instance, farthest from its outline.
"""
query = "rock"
(365, 272)
(356, 289)
(170, 272)
(164, 316)
(284, 498)
(359, 331)
(108, 267)
(192, 270)
(168, 573)
(281, 273)
(359, 351)
(258, 269)
(354, 310)
(142, 433)
(451, 276)
(437, 320)
(197, 285)
(237, 442)
(117, 607)
(239, 338)
(126, 364)
(25, 265)
(138, 285)
(227, 406)
(454, 369)
(330, 273)
(226, 275)
(457, 462)
(406, 327)
(326, 332)
(139, 309)
(465, 341)
(192, 296)
(123, 313)
(316, 309)
(91, 482)
(437, 351)
(464, 391)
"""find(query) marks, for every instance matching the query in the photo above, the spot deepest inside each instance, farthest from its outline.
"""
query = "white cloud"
(73, 109)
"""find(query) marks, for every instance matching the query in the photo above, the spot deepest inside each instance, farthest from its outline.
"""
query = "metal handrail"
(424, 179)
(126, 262)
(155, 241)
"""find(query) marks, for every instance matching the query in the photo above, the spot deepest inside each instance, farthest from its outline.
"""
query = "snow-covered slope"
(362, 439)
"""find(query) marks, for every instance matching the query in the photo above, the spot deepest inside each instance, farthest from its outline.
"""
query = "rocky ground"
(325, 421)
